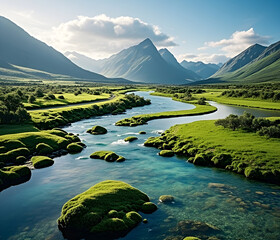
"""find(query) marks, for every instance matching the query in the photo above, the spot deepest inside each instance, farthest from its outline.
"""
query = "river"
(30, 210)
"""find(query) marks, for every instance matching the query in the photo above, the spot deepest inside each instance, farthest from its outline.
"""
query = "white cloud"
(101, 36)
(239, 41)
(204, 57)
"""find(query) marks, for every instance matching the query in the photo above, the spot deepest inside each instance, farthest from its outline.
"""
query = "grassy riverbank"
(215, 95)
(206, 144)
(46, 119)
(144, 118)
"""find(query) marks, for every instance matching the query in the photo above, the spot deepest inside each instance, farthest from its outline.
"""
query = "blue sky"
(207, 30)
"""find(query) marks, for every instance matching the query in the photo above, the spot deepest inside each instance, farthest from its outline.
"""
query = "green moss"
(148, 207)
(109, 206)
(41, 161)
(111, 157)
(108, 156)
(13, 175)
(44, 149)
(97, 130)
(222, 160)
(130, 139)
(10, 156)
(191, 238)
(74, 148)
(201, 160)
(20, 160)
(166, 153)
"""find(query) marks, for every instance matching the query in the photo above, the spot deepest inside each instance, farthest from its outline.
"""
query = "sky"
(211, 31)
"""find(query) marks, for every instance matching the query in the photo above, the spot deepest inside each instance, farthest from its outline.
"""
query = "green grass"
(109, 206)
(70, 98)
(144, 118)
(17, 128)
(206, 142)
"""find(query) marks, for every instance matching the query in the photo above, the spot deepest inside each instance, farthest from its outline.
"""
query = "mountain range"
(142, 63)
(255, 64)
(202, 69)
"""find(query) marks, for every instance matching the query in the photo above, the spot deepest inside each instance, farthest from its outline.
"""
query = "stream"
(242, 209)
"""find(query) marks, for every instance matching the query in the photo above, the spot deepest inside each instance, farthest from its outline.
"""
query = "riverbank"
(47, 119)
(206, 144)
(214, 95)
(144, 118)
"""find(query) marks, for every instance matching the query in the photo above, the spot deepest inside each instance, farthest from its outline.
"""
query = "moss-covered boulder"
(74, 148)
(44, 149)
(108, 209)
(148, 207)
(201, 160)
(166, 153)
(97, 130)
(108, 156)
(13, 175)
(10, 156)
(142, 132)
(130, 139)
(191, 238)
(41, 161)
(20, 160)
(166, 198)
(222, 160)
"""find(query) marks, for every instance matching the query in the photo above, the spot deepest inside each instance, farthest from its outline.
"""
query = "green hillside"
(264, 70)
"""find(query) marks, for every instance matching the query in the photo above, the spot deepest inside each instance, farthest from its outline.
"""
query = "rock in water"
(109, 209)
(97, 130)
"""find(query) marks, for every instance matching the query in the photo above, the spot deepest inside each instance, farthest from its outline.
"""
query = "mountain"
(263, 68)
(141, 63)
(84, 61)
(245, 57)
(18, 48)
(200, 68)
(169, 58)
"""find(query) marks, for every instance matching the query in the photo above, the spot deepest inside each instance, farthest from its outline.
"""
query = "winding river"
(243, 209)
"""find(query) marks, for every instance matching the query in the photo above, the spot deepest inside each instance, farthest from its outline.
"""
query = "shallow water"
(243, 209)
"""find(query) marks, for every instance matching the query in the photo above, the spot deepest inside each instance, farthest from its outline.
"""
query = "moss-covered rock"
(107, 209)
(142, 132)
(148, 207)
(97, 130)
(41, 161)
(20, 160)
(10, 156)
(108, 156)
(222, 160)
(166, 153)
(166, 198)
(44, 149)
(191, 238)
(74, 148)
(201, 160)
(130, 139)
(13, 175)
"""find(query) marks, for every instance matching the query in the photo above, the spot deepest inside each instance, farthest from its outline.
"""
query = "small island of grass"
(41, 161)
(108, 209)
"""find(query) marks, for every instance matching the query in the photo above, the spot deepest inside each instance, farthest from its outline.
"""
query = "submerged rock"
(198, 229)
(107, 210)
(97, 130)
(166, 198)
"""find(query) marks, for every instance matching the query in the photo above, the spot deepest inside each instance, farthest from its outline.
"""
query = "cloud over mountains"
(102, 35)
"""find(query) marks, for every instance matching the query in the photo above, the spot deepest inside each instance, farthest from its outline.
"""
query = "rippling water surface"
(242, 209)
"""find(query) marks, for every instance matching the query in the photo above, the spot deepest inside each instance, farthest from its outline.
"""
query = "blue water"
(243, 209)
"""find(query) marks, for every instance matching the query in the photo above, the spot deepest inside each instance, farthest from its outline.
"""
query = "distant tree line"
(253, 93)
(248, 122)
